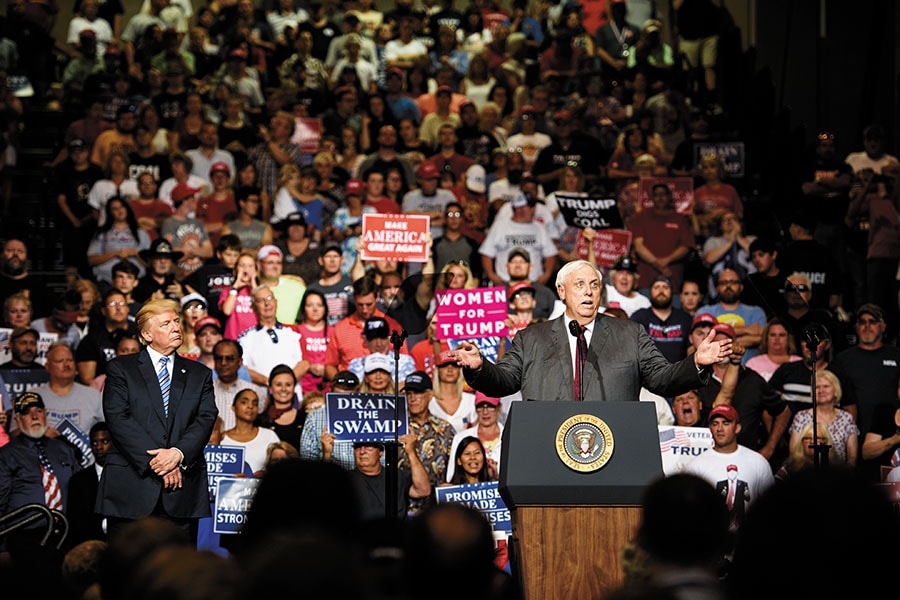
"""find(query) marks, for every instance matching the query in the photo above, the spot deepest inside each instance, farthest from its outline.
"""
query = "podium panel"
(573, 476)
(532, 472)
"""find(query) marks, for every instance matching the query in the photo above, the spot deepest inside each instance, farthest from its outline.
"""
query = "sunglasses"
(272, 335)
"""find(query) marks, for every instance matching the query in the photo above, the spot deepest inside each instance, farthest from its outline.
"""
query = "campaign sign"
(77, 438)
(609, 245)
(222, 461)
(485, 498)
(732, 153)
(307, 134)
(479, 312)
(582, 212)
(233, 500)
(680, 445)
(682, 189)
(43, 344)
(486, 345)
(19, 381)
(366, 417)
(403, 238)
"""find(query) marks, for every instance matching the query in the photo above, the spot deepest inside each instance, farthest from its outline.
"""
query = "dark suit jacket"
(132, 404)
(621, 358)
(84, 523)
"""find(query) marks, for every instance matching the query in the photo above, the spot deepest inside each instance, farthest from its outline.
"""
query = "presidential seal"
(584, 443)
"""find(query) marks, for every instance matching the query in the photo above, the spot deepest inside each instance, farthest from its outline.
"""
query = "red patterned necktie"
(52, 493)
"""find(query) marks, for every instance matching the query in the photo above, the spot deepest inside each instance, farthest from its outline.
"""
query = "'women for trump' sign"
(475, 313)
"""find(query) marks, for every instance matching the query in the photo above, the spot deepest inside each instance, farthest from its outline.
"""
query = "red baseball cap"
(724, 328)
(726, 411)
(481, 398)
(427, 170)
(182, 192)
(704, 319)
(220, 167)
(355, 187)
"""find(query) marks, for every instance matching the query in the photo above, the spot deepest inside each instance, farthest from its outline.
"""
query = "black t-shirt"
(370, 490)
(209, 281)
(157, 165)
(75, 185)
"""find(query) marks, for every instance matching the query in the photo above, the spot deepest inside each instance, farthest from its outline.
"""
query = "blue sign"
(731, 153)
(234, 497)
(483, 497)
(366, 417)
(222, 461)
(486, 345)
(77, 438)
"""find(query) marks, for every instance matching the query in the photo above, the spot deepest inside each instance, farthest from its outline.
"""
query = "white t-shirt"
(752, 469)
(532, 236)
(465, 415)
(629, 305)
(255, 449)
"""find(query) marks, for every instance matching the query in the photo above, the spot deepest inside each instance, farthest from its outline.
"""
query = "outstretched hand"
(467, 355)
(710, 351)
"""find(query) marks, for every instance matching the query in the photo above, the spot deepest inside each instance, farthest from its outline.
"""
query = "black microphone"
(574, 328)
(813, 334)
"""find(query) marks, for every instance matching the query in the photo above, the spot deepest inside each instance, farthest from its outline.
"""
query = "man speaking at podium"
(584, 355)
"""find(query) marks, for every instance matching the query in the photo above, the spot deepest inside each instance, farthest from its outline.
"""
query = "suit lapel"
(179, 381)
(593, 372)
(151, 381)
(563, 352)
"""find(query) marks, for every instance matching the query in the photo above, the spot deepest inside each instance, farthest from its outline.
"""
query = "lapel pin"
(183, 371)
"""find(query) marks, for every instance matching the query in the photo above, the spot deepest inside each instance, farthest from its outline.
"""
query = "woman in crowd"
(802, 454)
(839, 423)
(164, 141)
(17, 311)
(90, 296)
(280, 451)
(376, 116)
(487, 431)
(247, 434)
(330, 180)
(692, 298)
(247, 176)
(729, 249)
(469, 463)
(350, 157)
(282, 413)
(572, 244)
(776, 347)
(188, 125)
(119, 238)
(450, 401)
(312, 324)
(478, 82)
(236, 302)
(394, 185)
(117, 184)
(377, 378)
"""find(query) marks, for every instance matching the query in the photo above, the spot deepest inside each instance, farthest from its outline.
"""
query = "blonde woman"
(838, 422)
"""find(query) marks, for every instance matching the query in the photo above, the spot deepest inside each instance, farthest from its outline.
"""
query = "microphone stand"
(391, 447)
(811, 337)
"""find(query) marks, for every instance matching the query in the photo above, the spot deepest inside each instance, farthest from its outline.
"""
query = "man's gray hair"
(572, 266)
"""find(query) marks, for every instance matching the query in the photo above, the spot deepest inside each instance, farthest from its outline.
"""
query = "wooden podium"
(570, 525)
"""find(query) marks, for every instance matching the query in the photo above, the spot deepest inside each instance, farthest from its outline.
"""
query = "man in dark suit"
(160, 409)
(618, 356)
(84, 523)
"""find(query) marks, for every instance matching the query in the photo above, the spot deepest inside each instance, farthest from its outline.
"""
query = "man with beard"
(22, 372)
(747, 320)
(798, 292)
(668, 327)
(14, 277)
(34, 469)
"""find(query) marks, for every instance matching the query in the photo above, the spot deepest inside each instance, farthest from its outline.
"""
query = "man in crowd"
(288, 290)
(98, 346)
(228, 358)
(64, 398)
(747, 320)
(22, 370)
(270, 343)
(521, 232)
(333, 283)
(667, 326)
(376, 339)
(15, 277)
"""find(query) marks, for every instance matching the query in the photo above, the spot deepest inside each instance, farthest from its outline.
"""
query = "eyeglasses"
(229, 358)
(865, 322)
(345, 382)
(272, 335)
(729, 282)
(455, 213)
(800, 288)
(118, 304)
(264, 300)
(195, 308)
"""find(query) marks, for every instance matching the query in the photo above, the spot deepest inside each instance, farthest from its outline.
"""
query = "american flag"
(673, 436)
(52, 492)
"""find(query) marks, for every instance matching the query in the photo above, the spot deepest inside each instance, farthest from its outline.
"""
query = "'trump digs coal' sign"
(597, 213)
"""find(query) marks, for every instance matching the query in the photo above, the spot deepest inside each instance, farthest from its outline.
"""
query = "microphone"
(574, 328)
(813, 334)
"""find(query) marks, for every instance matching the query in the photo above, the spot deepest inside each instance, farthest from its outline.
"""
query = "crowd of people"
(223, 157)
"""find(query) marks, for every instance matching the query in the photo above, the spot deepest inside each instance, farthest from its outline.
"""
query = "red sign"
(609, 246)
(682, 193)
(307, 134)
(403, 238)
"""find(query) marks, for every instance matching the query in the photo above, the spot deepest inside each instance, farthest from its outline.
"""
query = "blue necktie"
(164, 383)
